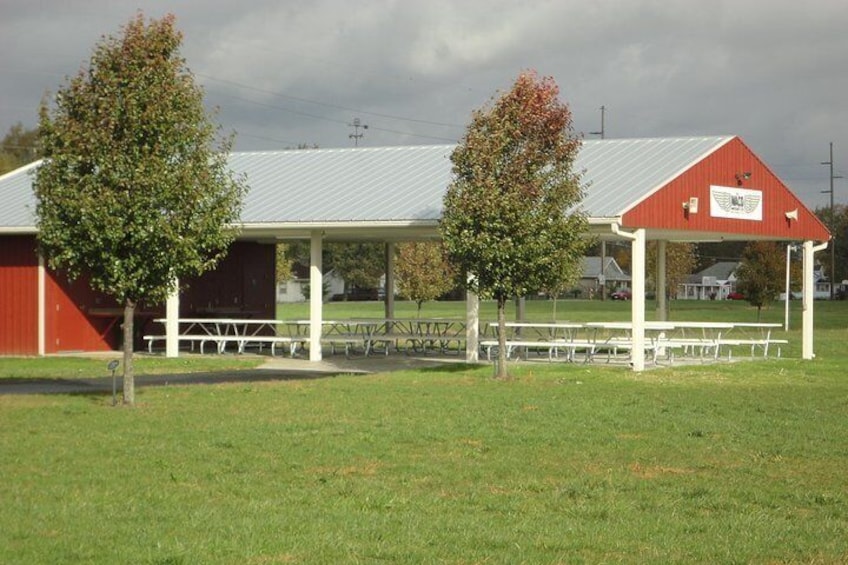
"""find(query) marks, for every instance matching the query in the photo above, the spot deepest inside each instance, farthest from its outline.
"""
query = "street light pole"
(789, 249)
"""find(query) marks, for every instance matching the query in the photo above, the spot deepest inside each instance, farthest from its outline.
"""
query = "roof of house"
(721, 271)
(591, 268)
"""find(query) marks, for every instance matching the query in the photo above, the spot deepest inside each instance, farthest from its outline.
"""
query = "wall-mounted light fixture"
(740, 177)
(690, 206)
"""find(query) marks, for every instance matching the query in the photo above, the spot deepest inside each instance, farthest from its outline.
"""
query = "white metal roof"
(344, 185)
(621, 173)
(403, 184)
(17, 200)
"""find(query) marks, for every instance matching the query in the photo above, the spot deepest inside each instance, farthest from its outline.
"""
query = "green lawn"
(79, 367)
(728, 463)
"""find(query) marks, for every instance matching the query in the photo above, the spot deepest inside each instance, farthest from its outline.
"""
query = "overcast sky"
(284, 72)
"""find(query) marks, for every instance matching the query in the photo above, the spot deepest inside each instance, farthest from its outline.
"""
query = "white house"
(296, 289)
(713, 283)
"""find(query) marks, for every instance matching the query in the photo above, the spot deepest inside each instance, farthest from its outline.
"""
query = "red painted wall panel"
(18, 296)
(664, 209)
(69, 326)
(80, 319)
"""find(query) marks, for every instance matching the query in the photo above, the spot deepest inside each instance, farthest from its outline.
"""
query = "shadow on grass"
(101, 386)
(451, 368)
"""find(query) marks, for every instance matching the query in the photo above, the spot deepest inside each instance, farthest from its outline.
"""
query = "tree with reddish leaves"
(511, 222)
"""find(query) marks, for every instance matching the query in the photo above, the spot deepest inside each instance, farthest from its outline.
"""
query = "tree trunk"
(129, 374)
(501, 370)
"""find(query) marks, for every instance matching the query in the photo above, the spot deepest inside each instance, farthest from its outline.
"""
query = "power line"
(334, 120)
(329, 105)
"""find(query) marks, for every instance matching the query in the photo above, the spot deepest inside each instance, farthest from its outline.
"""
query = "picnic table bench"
(223, 331)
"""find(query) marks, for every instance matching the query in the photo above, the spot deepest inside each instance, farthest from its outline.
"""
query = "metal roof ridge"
(342, 149)
(660, 138)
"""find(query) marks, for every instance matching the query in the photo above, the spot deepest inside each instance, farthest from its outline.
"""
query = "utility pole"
(601, 133)
(356, 136)
(602, 276)
(832, 224)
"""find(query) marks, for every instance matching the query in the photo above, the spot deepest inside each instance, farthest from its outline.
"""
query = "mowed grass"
(81, 367)
(566, 463)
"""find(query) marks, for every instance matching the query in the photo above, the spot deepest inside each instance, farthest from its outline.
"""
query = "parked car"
(735, 296)
(622, 294)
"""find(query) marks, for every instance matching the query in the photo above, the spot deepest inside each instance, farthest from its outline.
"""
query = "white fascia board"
(395, 229)
(19, 230)
(22, 169)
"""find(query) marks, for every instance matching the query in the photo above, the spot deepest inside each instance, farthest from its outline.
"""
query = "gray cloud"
(282, 73)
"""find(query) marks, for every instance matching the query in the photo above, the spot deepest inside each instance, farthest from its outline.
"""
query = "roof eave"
(383, 230)
(18, 230)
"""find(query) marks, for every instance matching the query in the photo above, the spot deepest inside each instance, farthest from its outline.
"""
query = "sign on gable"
(736, 203)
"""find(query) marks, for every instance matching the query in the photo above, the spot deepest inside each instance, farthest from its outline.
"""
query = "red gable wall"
(664, 209)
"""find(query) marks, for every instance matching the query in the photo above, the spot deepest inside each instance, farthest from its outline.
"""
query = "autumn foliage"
(511, 216)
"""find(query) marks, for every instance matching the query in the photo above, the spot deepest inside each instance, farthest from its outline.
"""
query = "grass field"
(566, 463)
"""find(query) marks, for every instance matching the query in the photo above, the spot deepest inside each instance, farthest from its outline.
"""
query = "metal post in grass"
(112, 366)
(789, 249)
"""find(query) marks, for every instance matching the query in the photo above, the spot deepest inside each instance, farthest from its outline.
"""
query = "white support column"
(637, 288)
(390, 281)
(42, 306)
(172, 323)
(808, 298)
(637, 357)
(316, 292)
(472, 327)
(662, 301)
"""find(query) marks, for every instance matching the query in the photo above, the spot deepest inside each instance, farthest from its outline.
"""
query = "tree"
(135, 192)
(283, 268)
(837, 224)
(680, 262)
(17, 148)
(761, 276)
(509, 217)
(360, 265)
(423, 272)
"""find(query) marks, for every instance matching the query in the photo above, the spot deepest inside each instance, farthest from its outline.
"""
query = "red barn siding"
(664, 209)
(18, 296)
(68, 327)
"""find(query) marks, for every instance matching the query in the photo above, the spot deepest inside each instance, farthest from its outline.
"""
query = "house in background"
(713, 283)
(821, 290)
(296, 289)
(613, 276)
(719, 281)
